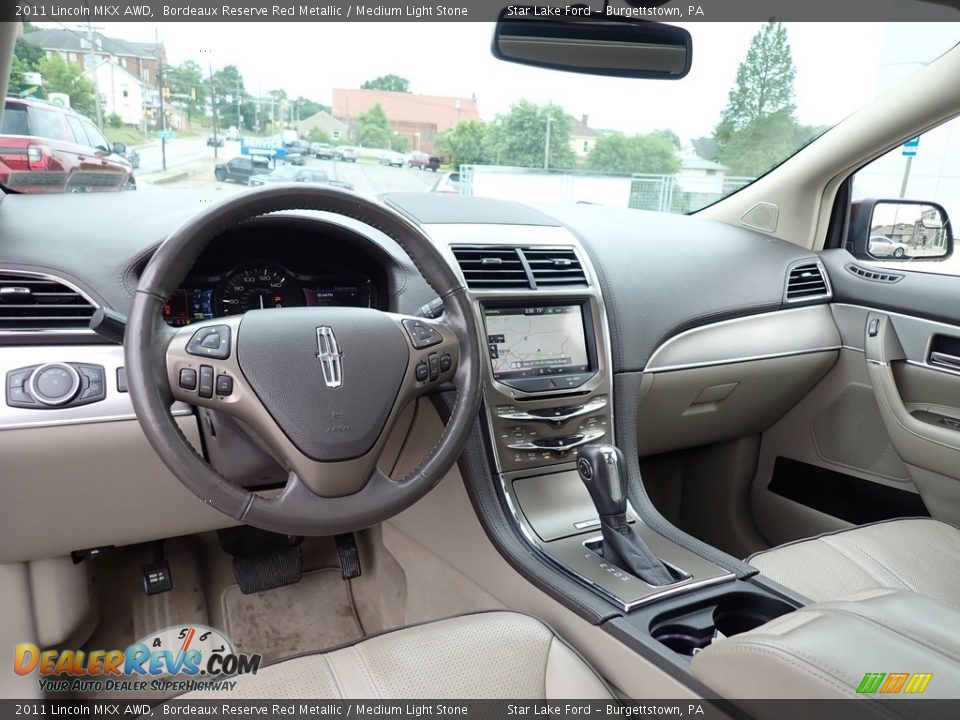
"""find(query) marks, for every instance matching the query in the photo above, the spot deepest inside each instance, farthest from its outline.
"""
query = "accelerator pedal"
(262, 560)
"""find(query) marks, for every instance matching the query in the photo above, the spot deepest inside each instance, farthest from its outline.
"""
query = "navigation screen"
(536, 341)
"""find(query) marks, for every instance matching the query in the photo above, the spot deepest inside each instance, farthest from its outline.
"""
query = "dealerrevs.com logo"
(180, 658)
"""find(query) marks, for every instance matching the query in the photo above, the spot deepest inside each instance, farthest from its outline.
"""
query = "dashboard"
(246, 269)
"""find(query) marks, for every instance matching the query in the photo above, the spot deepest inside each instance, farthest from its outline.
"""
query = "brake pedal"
(157, 577)
(349, 555)
(262, 560)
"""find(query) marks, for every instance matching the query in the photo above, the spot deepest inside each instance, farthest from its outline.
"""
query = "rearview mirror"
(556, 38)
(903, 229)
(119, 148)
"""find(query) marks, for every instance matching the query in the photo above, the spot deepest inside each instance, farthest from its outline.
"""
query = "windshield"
(286, 173)
(177, 102)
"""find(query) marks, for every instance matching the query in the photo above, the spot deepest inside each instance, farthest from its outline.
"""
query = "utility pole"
(96, 75)
(906, 177)
(546, 145)
(239, 115)
(213, 109)
(163, 114)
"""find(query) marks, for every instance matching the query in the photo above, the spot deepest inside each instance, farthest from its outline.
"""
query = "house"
(697, 175)
(121, 93)
(326, 123)
(142, 60)
(583, 138)
(417, 117)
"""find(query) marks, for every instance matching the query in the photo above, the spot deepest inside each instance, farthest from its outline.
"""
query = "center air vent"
(553, 267)
(505, 268)
(806, 282)
(29, 302)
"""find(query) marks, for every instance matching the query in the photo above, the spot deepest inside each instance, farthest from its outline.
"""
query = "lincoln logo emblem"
(331, 359)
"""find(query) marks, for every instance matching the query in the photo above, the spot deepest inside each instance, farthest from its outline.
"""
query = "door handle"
(945, 359)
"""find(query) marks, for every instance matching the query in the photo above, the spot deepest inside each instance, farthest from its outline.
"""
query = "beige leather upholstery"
(824, 651)
(488, 655)
(920, 554)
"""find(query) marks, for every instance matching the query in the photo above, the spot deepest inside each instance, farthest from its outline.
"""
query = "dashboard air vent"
(491, 268)
(29, 302)
(806, 282)
(874, 275)
(555, 267)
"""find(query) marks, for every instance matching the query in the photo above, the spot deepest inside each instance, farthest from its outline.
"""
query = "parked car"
(391, 158)
(215, 140)
(423, 161)
(289, 173)
(321, 151)
(241, 169)
(345, 153)
(297, 153)
(448, 183)
(882, 246)
(46, 148)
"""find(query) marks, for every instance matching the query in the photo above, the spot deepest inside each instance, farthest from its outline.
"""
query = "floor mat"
(313, 614)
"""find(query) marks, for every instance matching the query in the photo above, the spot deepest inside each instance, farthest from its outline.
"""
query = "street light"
(546, 145)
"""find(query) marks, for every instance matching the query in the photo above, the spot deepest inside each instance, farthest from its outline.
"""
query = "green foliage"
(61, 76)
(307, 107)
(316, 135)
(520, 136)
(228, 82)
(115, 121)
(669, 135)
(400, 143)
(394, 83)
(187, 81)
(26, 58)
(468, 143)
(758, 129)
(373, 128)
(653, 153)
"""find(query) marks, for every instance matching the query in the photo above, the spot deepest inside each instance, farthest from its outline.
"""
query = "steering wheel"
(321, 386)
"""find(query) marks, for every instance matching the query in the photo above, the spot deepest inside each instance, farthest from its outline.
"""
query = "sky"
(839, 66)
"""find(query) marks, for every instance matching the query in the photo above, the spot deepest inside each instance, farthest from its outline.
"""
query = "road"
(366, 177)
(180, 151)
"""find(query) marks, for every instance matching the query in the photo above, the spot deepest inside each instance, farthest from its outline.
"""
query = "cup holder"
(739, 614)
(685, 629)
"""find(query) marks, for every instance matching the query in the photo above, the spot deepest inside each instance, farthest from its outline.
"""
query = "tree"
(393, 83)
(373, 128)
(758, 128)
(520, 136)
(316, 135)
(308, 107)
(227, 86)
(653, 153)
(26, 58)
(63, 77)
(186, 81)
(467, 143)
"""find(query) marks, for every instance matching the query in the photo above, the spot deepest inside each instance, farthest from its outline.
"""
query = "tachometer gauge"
(254, 288)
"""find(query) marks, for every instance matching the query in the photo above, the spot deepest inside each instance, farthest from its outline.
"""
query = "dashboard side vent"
(874, 275)
(552, 267)
(806, 282)
(29, 302)
(491, 267)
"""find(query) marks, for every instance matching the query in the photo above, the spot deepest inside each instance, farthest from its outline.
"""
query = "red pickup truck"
(46, 148)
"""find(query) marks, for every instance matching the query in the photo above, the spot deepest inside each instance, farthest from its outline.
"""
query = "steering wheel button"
(434, 361)
(224, 385)
(205, 387)
(211, 341)
(423, 372)
(446, 362)
(188, 379)
(421, 334)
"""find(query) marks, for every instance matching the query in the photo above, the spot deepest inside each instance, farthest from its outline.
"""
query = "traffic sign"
(167, 134)
(910, 147)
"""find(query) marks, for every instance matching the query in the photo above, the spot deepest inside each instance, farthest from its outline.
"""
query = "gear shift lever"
(602, 469)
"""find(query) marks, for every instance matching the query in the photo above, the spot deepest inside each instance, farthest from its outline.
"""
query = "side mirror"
(900, 230)
(556, 38)
(119, 148)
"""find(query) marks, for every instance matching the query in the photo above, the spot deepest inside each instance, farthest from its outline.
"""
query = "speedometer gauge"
(255, 288)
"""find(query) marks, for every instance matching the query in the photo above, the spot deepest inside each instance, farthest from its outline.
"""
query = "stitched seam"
(849, 554)
(882, 564)
(336, 677)
(366, 671)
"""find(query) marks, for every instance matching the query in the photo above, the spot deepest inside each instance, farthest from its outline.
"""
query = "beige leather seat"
(488, 655)
(917, 554)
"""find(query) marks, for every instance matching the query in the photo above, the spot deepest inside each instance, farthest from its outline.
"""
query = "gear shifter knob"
(602, 469)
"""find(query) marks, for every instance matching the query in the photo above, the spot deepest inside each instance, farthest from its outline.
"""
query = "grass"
(126, 135)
